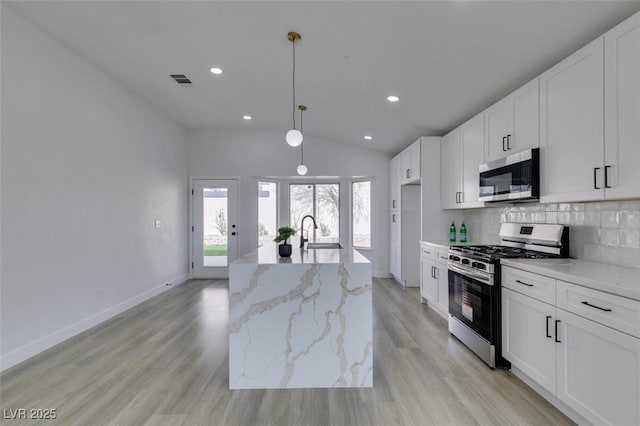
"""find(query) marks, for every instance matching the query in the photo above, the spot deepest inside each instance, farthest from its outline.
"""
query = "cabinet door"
(394, 182)
(428, 284)
(394, 247)
(525, 131)
(528, 337)
(415, 156)
(450, 171)
(442, 280)
(572, 127)
(598, 371)
(498, 119)
(622, 109)
(472, 155)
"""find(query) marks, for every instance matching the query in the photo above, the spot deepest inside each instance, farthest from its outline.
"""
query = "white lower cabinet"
(592, 368)
(434, 282)
(598, 371)
(527, 343)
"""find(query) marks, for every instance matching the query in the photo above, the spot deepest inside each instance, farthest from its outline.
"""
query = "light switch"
(158, 223)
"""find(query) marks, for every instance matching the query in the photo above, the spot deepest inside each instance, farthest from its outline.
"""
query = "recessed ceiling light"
(246, 117)
(368, 138)
(216, 71)
(393, 98)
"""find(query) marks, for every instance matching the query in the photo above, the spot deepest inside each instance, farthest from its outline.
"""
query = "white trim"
(382, 274)
(551, 398)
(31, 349)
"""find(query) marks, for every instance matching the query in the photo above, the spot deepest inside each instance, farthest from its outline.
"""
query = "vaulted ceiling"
(445, 60)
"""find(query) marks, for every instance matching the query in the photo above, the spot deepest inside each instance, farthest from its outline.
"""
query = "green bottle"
(452, 233)
(463, 233)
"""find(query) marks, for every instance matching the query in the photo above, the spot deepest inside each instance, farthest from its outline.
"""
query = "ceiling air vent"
(181, 79)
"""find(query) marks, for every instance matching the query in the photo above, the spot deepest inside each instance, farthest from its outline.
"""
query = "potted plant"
(284, 249)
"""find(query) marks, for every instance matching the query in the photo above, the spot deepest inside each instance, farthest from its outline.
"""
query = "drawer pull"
(548, 318)
(597, 307)
(444, 258)
(523, 283)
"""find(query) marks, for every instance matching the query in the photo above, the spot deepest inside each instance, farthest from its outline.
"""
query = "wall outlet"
(157, 223)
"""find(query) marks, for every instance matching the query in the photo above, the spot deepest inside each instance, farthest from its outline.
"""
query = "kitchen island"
(300, 322)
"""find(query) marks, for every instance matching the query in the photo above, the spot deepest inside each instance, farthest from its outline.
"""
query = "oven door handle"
(484, 278)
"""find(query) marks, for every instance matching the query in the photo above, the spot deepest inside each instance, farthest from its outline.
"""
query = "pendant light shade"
(294, 137)
(302, 170)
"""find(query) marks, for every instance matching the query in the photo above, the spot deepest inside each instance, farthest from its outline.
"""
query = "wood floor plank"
(165, 362)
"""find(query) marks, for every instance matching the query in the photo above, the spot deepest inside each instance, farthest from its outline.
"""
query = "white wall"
(250, 154)
(87, 166)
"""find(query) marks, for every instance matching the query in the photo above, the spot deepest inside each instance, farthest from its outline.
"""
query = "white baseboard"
(44, 343)
(553, 400)
(381, 274)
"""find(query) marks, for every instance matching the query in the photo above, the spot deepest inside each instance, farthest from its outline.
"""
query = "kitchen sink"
(324, 246)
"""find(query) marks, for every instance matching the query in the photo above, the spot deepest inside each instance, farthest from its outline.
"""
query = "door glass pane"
(267, 212)
(362, 214)
(215, 229)
(301, 202)
(328, 212)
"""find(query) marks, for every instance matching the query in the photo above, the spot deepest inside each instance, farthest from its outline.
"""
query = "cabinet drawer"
(442, 256)
(534, 285)
(614, 311)
(427, 252)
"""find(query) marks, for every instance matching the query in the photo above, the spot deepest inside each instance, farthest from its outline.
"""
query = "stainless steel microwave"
(513, 178)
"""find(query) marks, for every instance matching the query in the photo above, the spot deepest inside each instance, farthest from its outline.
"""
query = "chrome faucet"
(302, 238)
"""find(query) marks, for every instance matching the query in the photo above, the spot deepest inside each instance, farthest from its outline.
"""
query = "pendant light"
(294, 136)
(302, 169)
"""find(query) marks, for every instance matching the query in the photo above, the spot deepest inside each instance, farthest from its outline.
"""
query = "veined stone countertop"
(268, 255)
(612, 279)
(300, 322)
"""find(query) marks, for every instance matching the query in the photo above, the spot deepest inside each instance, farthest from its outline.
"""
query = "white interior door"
(215, 227)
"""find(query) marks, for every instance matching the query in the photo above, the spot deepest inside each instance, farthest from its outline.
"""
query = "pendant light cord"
(293, 79)
(302, 143)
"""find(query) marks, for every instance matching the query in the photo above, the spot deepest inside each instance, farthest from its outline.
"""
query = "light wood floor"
(165, 362)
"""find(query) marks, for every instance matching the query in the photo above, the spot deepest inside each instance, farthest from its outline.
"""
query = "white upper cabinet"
(572, 127)
(472, 155)
(462, 153)
(395, 169)
(411, 163)
(622, 110)
(451, 170)
(512, 124)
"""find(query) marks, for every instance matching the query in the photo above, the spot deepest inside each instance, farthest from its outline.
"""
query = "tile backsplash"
(607, 232)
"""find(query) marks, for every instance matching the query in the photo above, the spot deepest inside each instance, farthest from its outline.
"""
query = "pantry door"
(215, 229)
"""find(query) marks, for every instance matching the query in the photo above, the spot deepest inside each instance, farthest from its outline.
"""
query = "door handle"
(233, 226)
(393, 218)
(233, 233)
(595, 178)
(597, 307)
(556, 339)
(504, 138)
(432, 273)
(408, 173)
(435, 272)
(508, 139)
(393, 204)
(606, 176)
(523, 283)
(548, 318)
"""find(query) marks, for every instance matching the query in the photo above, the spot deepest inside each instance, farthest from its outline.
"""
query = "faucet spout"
(302, 238)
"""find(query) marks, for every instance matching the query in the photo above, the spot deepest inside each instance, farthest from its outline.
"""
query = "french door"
(215, 229)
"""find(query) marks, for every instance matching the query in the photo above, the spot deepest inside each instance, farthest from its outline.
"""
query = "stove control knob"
(465, 261)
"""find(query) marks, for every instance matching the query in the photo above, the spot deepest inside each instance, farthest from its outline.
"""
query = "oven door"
(472, 300)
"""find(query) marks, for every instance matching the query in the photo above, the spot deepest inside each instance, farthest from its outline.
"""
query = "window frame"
(351, 213)
(277, 184)
(314, 183)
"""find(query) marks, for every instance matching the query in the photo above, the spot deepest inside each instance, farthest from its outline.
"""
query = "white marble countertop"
(612, 279)
(268, 255)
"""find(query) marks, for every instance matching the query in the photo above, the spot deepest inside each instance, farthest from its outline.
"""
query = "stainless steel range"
(474, 282)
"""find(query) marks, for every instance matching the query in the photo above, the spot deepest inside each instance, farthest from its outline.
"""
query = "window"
(322, 201)
(361, 213)
(267, 211)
